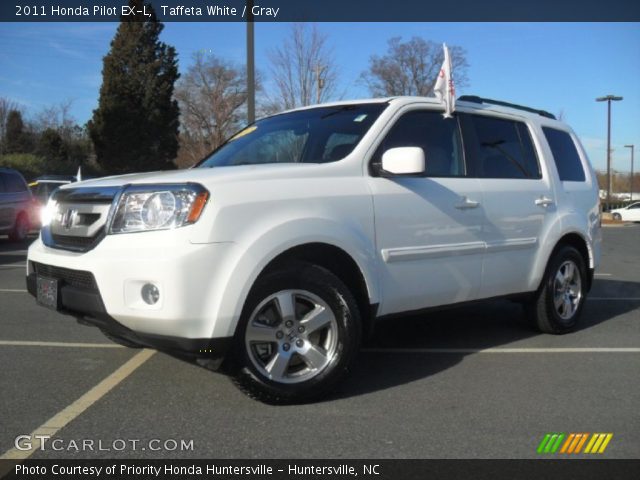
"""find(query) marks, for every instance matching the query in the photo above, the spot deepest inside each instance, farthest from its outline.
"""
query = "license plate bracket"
(47, 292)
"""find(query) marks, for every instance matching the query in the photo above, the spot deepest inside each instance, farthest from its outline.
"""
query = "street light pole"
(631, 180)
(251, 69)
(608, 99)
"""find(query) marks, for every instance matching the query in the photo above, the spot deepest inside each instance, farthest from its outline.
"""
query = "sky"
(558, 67)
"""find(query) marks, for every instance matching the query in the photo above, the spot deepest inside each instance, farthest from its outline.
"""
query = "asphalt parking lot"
(463, 383)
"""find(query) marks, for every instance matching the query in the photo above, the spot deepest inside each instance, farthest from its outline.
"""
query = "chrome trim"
(431, 251)
(440, 251)
(511, 244)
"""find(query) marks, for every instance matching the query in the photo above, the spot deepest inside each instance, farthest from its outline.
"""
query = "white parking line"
(61, 419)
(12, 290)
(12, 266)
(603, 274)
(502, 350)
(23, 343)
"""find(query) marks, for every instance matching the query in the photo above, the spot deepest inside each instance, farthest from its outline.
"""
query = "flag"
(444, 88)
(79, 175)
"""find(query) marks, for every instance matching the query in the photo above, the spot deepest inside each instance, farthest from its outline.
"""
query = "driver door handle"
(544, 201)
(466, 204)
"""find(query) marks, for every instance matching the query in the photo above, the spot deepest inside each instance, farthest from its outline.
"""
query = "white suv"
(279, 251)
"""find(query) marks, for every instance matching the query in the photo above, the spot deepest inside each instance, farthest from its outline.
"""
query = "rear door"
(519, 202)
(428, 228)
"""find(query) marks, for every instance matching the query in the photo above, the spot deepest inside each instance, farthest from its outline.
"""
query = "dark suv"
(16, 205)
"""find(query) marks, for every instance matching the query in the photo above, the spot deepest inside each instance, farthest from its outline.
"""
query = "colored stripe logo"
(573, 443)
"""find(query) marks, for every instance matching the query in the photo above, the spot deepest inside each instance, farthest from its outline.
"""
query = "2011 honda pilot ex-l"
(279, 251)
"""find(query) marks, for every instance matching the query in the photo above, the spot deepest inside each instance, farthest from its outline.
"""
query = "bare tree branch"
(302, 69)
(411, 68)
(211, 96)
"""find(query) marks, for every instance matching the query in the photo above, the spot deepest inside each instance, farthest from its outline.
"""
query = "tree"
(52, 148)
(211, 96)
(6, 106)
(303, 70)
(411, 68)
(15, 135)
(135, 127)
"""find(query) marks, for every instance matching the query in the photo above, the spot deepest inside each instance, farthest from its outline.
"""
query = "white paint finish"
(418, 242)
(630, 213)
(403, 160)
(417, 218)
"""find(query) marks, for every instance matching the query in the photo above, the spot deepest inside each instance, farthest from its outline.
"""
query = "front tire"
(558, 302)
(298, 336)
(617, 217)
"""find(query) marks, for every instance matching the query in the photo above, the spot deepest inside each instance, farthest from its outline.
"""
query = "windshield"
(317, 135)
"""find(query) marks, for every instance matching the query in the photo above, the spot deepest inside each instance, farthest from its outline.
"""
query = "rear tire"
(298, 335)
(20, 229)
(558, 302)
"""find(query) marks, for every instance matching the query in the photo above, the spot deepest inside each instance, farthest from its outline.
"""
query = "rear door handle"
(467, 204)
(544, 201)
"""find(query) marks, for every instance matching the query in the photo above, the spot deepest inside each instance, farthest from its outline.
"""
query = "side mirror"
(403, 161)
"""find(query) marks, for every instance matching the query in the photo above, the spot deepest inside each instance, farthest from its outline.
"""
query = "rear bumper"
(88, 308)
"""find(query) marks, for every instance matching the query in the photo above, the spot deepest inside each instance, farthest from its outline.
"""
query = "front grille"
(75, 278)
(79, 244)
(80, 219)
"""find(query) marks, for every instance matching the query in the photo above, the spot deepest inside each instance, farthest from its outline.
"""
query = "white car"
(630, 213)
(279, 251)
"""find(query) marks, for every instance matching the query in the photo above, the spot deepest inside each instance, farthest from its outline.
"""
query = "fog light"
(150, 293)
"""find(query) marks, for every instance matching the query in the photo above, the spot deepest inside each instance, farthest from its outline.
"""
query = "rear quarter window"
(565, 155)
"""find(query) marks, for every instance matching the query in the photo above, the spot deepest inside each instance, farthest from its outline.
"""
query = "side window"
(635, 205)
(565, 155)
(339, 145)
(439, 138)
(14, 183)
(500, 148)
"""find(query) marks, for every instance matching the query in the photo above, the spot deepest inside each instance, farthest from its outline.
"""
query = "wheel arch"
(581, 244)
(338, 262)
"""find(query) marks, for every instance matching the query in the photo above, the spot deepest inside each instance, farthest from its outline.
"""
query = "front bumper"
(102, 287)
(88, 308)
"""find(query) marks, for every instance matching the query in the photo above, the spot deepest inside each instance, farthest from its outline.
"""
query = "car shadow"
(383, 363)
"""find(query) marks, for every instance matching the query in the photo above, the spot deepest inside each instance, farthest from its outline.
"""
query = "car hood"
(207, 176)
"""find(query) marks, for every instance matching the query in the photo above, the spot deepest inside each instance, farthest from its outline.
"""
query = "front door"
(428, 228)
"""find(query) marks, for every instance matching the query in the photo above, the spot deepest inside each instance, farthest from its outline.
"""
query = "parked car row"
(17, 206)
(630, 213)
(21, 204)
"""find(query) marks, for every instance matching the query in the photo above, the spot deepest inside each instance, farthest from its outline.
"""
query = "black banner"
(336, 469)
(325, 10)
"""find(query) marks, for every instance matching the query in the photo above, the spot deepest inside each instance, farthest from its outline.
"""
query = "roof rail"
(476, 99)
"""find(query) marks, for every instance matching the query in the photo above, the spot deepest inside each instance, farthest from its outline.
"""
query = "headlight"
(158, 207)
(47, 212)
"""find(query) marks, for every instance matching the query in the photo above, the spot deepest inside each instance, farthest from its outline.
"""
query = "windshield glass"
(317, 135)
